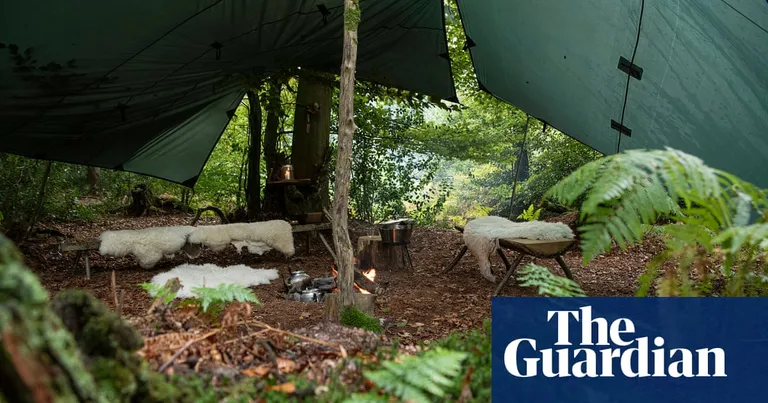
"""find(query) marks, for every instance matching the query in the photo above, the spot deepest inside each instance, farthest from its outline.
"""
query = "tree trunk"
(253, 184)
(365, 303)
(274, 196)
(344, 253)
(94, 180)
(311, 133)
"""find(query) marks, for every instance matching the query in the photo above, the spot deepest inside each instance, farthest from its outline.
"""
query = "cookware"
(396, 232)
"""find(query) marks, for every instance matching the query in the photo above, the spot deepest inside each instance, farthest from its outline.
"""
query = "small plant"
(530, 214)
(547, 283)
(218, 297)
(352, 317)
(159, 291)
(416, 378)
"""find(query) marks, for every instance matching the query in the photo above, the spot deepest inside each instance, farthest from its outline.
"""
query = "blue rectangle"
(736, 326)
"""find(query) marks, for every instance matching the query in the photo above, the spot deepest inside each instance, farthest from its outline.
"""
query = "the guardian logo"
(624, 354)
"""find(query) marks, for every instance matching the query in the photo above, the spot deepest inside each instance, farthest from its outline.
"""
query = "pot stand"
(554, 249)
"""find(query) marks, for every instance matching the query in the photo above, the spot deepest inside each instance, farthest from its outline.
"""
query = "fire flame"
(370, 274)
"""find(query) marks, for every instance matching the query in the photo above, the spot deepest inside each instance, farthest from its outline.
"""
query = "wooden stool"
(550, 249)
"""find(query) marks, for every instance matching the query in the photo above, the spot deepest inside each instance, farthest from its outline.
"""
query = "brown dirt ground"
(422, 305)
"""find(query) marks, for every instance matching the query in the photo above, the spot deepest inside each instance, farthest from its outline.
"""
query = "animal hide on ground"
(149, 245)
(482, 236)
(209, 275)
(257, 236)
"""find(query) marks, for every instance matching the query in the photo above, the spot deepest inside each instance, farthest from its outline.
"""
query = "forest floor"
(418, 306)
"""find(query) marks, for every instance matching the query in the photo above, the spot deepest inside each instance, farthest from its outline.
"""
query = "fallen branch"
(287, 333)
(113, 284)
(183, 348)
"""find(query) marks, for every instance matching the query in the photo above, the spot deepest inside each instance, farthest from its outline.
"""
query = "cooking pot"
(299, 279)
(311, 295)
(396, 232)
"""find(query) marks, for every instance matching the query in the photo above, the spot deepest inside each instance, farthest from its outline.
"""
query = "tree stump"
(372, 253)
(365, 303)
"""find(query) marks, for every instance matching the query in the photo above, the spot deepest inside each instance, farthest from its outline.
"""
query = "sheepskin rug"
(482, 235)
(209, 275)
(148, 245)
(257, 236)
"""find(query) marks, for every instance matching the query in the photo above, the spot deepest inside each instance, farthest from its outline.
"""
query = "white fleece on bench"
(482, 235)
(149, 245)
(209, 275)
(258, 236)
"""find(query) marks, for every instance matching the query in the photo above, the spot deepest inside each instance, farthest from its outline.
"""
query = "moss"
(99, 331)
(351, 19)
(352, 317)
(116, 382)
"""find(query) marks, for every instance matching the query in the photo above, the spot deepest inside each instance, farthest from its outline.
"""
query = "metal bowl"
(396, 232)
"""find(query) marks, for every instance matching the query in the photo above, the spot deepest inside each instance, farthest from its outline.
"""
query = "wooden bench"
(82, 248)
(554, 249)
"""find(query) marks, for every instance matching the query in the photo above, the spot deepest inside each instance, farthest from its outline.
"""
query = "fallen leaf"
(418, 324)
(343, 351)
(257, 371)
(285, 366)
(283, 387)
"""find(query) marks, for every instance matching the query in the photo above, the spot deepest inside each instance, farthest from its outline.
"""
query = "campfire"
(301, 287)
(370, 274)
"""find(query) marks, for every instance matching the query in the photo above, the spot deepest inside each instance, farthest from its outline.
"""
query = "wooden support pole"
(87, 267)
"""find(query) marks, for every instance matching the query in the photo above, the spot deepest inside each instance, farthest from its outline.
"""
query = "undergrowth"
(352, 317)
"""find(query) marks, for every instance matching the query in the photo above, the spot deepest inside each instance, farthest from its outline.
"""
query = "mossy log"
(72, 349)
(365, 303)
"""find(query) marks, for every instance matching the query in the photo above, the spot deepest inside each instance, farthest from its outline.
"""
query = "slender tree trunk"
(517, 171)
(40, 198)
(274, 196)
(253, 184)
(345, 279)
(94, 180)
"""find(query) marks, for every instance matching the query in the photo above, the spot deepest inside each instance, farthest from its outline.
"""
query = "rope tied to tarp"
(629, 76)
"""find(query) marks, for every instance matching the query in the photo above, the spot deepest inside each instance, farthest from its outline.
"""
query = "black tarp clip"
(324, 11)
(621, 128)
(121, 107)
(217, 46)
(630, 68)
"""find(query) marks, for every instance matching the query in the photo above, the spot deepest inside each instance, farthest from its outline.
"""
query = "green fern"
(416, 378)
(626, 192)
(530, 214)
(159, 291)
(223, 294)
(547, 283)
(708, 209)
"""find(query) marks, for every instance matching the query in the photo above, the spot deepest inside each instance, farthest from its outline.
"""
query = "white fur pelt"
(258, 236)
(209, 275)
(482, 235)
(149, 245)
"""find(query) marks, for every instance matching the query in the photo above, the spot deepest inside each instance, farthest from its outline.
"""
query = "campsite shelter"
(149, 87)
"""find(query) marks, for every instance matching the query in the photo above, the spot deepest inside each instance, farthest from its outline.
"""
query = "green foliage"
(159, 291)
(477, 344)
(706, 210)
(530, 214)
(352, 317)
(547, 283)
(418, 378)
(223, 294)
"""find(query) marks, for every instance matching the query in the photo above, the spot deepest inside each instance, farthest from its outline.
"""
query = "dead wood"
(174, 285)
(346, 295)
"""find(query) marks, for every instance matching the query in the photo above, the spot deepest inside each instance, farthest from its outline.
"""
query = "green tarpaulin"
(704, 82)
(149, 86)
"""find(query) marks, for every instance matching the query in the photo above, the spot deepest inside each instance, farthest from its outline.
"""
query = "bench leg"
(455, 260)
(504, 258)
(87, 267)
(562, 264)
(510, 271)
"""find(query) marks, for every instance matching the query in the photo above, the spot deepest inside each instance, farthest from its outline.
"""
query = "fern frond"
(751, 236)
(625, 192)
(547, 283)
(224, 294)
(415, 378)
